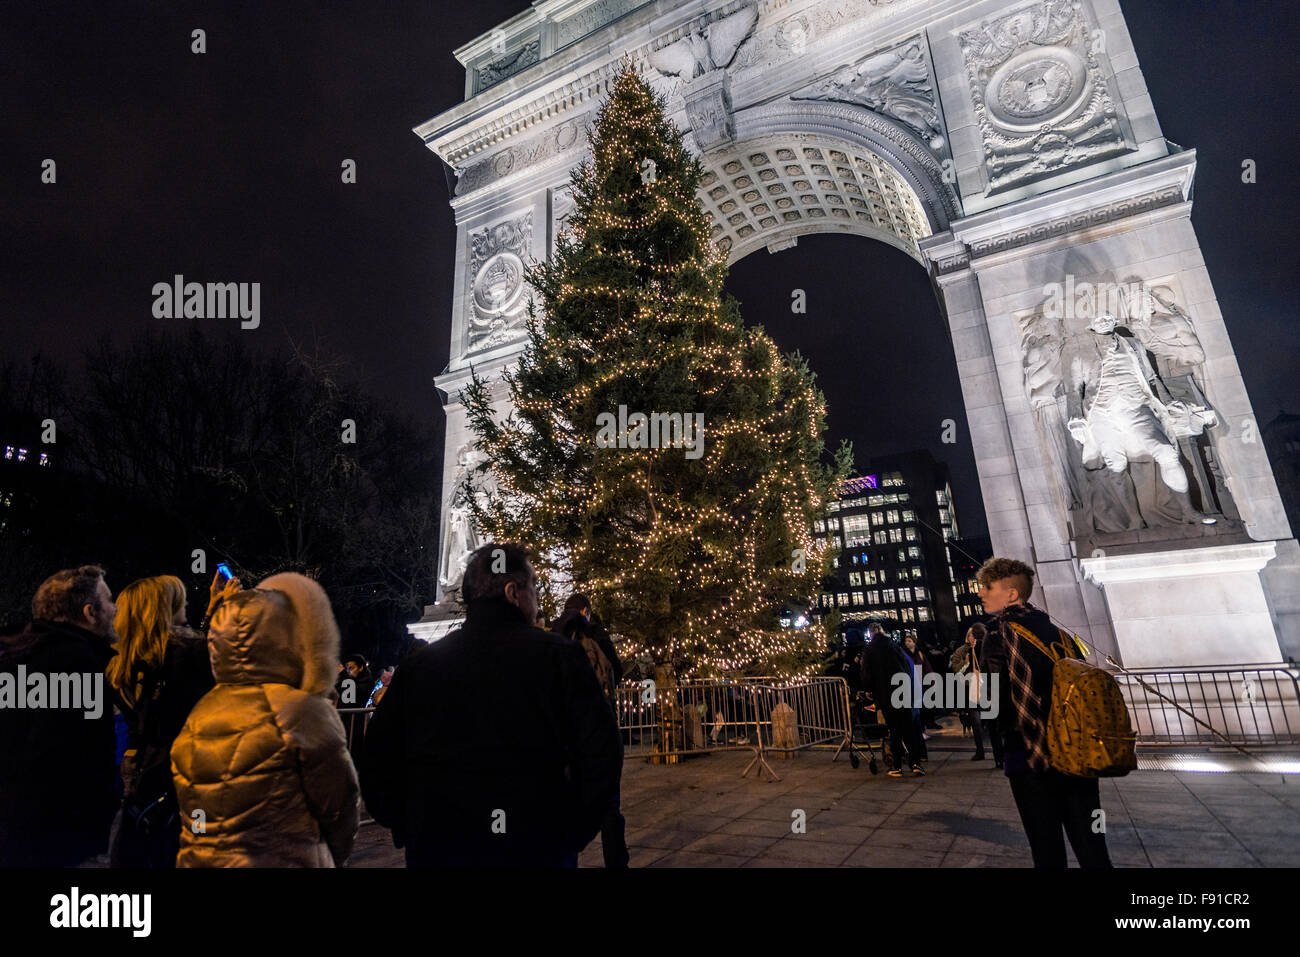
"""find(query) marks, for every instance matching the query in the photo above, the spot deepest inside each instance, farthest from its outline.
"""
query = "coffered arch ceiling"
(768, 189)
(803, 167)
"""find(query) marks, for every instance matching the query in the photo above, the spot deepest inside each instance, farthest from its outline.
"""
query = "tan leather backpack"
(1089, 733)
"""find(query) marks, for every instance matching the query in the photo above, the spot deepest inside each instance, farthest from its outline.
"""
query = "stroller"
(866, 729)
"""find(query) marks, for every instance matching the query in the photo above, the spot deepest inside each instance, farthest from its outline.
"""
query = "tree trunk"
(668, 713)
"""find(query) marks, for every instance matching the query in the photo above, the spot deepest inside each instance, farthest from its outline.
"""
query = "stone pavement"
(702, 813)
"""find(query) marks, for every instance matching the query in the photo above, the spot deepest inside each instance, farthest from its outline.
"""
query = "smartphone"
(223, 572)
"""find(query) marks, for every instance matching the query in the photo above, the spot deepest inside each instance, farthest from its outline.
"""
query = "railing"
(761, 715)
(1239, 705)
(1236, 705)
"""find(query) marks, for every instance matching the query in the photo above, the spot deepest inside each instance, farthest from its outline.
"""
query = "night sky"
(226, 167)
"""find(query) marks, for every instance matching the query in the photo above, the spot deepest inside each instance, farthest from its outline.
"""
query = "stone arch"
(1006, 141)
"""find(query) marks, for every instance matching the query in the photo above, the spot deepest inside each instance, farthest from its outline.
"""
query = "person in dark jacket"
(920, 668)
(580, 624)
(161, 671)
(967, 659)
(57, 760)
(1048, 800)
(447, 768)
(881, 661)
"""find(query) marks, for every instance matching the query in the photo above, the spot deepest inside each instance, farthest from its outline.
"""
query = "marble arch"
(1012, 149)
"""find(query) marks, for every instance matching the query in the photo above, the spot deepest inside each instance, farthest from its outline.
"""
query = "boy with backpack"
(1054, 749)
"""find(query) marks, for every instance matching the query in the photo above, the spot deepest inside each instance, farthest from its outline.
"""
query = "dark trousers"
(135, 846)
(904, 739)
(613, 843)
(978, 728)
(1054, 806)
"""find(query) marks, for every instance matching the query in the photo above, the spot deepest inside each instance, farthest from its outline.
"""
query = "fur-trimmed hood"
(281, 632)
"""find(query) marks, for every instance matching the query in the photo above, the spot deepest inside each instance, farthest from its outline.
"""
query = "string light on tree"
(688, 560)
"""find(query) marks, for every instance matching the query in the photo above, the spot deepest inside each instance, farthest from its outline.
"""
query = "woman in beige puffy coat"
(263, 759)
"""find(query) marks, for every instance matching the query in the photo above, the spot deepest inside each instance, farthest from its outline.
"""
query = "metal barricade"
(1235, 705)
(708, 715)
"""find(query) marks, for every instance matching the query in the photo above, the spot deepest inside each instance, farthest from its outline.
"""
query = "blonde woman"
(161, 670)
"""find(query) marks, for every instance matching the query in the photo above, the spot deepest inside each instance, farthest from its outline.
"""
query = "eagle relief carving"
(1041, 98)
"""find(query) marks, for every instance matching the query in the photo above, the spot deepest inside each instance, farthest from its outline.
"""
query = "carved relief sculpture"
(700, 59)
(496, 279)
(510, 64)
(712, 48)
(460, 538)
(1040, 95)
(1134, 415)
(894, 82)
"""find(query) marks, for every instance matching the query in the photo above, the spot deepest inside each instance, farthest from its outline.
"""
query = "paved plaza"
(702, 813)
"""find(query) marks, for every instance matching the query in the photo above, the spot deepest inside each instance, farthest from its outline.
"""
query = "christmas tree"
(660, 456)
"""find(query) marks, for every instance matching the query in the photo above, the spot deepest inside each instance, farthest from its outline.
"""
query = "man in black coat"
(495, 746)
(58, 755)
(881, 661)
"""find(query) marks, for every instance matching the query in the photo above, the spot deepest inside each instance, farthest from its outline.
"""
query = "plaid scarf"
(1030, 719)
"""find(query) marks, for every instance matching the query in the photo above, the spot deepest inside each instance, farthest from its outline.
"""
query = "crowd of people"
(241, 744)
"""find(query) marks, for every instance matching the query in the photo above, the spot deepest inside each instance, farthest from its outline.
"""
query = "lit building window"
(819, 526)
(909, 515)
(921, 593)
(902, 556)
(881, 537)
(895, 535)
(923, 614)
(914, 552)
(889, 596)
(855, 578)
(891, 516)
(916, 572)
(906, 614)
(842, 599)
(905, 594)
(869, 577)
(873, 596)
(876, 500)
(857, 598)
(911, 533)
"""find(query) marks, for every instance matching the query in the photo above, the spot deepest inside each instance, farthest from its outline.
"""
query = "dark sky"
(225, 167)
